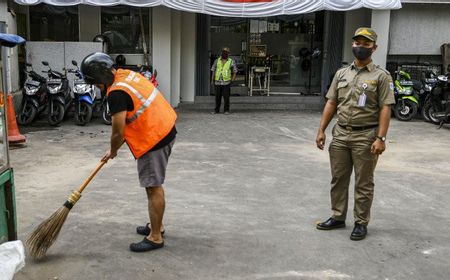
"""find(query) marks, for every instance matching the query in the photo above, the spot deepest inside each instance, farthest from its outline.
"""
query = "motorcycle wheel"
(106, 116)
(426, 111)
(433, 119)
(58, 113)
(27, 114)
(405, 110)
(84, 113)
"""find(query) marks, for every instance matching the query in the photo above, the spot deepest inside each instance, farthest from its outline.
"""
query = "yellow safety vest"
(224, 70)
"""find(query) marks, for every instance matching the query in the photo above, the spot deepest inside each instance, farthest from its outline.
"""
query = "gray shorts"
(152, 166)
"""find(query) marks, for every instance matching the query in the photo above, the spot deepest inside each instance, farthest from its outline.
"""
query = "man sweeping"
(146, 122)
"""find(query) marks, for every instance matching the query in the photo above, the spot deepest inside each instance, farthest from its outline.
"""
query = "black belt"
(351, 128)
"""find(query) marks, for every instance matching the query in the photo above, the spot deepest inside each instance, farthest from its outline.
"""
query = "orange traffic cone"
(14, 136)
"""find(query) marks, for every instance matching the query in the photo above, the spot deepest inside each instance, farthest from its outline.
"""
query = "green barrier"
(8, 229)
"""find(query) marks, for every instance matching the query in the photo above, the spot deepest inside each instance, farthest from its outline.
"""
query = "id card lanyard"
(362, 97)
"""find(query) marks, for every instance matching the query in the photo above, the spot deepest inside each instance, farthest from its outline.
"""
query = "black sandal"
(145, 230)
(145, 245)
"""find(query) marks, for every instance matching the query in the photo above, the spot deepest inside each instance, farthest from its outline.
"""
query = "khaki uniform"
(354, 134)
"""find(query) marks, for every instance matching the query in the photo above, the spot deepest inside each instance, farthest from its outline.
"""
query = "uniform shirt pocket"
(342, 90)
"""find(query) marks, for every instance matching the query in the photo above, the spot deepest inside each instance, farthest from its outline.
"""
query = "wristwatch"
(382, 138)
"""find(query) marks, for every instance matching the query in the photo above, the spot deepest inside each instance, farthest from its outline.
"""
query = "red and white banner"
(237, 8)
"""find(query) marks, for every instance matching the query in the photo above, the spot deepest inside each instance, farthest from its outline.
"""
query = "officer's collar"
(370, 67)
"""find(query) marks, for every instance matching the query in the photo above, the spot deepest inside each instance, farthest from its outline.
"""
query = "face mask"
(224, 55)
(362, 53)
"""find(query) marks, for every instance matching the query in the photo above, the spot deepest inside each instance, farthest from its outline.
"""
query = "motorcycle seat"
(58, 74)
(417, 85)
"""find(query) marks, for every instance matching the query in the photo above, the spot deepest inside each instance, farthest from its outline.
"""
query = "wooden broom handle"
(96, 170)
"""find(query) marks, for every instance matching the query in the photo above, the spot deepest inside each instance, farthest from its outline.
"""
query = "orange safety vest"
(152, 117)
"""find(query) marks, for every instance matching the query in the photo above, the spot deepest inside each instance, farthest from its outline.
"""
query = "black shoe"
(331, 223)
(145, 245)
(145, 230)
(359, 232)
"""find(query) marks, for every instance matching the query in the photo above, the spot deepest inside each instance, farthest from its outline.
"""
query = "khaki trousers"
(350, 150)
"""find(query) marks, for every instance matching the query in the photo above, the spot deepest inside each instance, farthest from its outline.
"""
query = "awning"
(237, 8)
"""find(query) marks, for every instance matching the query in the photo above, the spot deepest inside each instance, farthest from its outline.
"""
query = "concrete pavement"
(243, 192)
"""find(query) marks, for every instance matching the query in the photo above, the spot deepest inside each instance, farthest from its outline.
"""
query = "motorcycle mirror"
(45, 63)
(74, 63)
(316, 53)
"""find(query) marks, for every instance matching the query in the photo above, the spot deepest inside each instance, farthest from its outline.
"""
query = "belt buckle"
(349, 128)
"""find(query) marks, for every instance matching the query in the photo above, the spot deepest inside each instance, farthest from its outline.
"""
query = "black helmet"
(97, 69)
(121, 60)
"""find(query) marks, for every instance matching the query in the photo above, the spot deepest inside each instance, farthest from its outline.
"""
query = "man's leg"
(226, 98)
(218, 98)
(156, 206)
(341, 170)
(365, 163)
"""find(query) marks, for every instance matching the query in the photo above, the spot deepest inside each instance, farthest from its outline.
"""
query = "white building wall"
(188, 56)
(419, 29)
(161, 46)
(13, 75)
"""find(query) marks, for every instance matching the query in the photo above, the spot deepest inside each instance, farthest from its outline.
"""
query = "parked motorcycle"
(438, 104)
(85, 97)
(106, 115)
(146, 71)
(406, 96)
(429, 83)
(34, 96)
(58, 91)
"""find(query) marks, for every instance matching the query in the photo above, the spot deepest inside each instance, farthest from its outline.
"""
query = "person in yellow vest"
(223, 73)
(143, 119)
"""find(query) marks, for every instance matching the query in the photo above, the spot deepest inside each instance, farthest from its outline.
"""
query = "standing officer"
(223, 73)
(361, 94)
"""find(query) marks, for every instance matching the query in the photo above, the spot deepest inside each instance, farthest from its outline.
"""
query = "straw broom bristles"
(46, 233)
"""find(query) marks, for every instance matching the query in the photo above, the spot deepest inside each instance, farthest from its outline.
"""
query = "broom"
(46, 233)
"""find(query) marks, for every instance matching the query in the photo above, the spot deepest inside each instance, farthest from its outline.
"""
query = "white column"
(89, 23)
(161, 48)
(380, 23)
(175, 58)
(188, 56)
(353, 20)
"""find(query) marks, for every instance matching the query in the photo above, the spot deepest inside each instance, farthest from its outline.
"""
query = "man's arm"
(213, 71)
(327, 116)
(385, 99)
(328, 112)
(118, 127)
(379, 146)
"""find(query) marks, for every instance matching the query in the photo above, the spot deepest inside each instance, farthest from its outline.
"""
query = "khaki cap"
(366, 32)
(226, 49)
